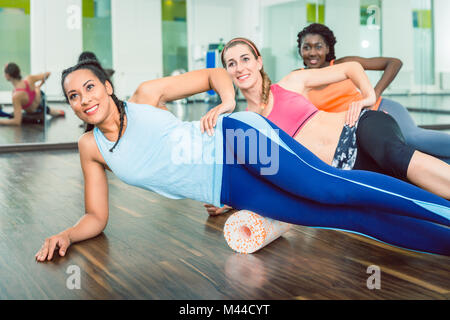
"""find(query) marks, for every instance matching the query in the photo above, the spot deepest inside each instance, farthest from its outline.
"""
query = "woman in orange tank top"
(316, 47)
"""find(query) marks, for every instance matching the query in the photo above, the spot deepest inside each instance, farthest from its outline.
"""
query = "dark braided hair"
(95, 67)
(324, 32)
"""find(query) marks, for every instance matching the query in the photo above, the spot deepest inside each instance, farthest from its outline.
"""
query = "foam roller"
(247, 232)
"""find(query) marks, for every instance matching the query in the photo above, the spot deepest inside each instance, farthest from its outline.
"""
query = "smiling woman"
(123, 133)
(244, 67)
(99, 89)
(316, 46)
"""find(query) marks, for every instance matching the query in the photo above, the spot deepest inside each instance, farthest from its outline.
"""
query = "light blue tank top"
(161, 153)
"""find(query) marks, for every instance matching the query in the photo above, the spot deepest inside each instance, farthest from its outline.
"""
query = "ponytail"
(265, 87)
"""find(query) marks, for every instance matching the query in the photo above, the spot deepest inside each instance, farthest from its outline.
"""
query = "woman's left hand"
(209, 120)
(215, 211)
(353, 112)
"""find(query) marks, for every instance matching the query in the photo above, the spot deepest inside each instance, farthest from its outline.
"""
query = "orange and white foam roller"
(247, 232)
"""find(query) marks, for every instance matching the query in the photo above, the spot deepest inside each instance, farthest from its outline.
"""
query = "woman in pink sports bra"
(27, 95)
(325, 133)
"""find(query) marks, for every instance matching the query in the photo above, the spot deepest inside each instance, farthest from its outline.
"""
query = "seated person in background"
(28, 96)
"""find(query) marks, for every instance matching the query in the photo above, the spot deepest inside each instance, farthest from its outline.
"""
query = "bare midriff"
(321, 133)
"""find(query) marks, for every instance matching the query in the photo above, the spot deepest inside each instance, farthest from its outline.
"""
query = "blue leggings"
(306, 191)
(432, 142)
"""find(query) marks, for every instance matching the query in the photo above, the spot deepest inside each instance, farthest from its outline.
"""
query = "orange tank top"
(337, 97)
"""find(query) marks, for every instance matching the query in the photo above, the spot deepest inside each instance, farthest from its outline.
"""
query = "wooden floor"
(156, 248)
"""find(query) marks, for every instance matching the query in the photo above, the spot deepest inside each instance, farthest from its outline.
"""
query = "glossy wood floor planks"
(157, 248)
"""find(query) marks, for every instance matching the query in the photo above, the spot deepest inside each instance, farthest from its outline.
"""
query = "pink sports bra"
(31, 94)
(290, 110)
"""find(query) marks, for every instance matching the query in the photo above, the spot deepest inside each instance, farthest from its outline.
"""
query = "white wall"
(246, 20)
(207, 22)
(397, 35)
(56, 39)
(282, 20)
(136, 43)
(441, 36)
(343, 18)
(210, 20)
(442, 42)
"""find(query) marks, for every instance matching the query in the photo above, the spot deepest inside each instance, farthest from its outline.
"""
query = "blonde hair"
(266, 82)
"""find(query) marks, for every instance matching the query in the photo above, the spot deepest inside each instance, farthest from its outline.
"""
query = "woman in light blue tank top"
(247, 163)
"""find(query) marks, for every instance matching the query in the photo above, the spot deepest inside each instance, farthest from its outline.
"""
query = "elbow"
(216, 72)
(140, 90)
(397, 63)
(103, 226)
(141, 95)
(216, 78)
(357, 66)
(354, 71)
(221, 72)
(101, 222)
(353, 68)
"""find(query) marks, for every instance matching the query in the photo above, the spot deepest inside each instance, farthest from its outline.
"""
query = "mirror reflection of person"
(27, 95)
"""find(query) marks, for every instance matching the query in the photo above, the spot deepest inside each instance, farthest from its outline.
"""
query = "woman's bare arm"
(389, 66)
(16, 120)
(302, 80)
(42, 77)
(158, 92)
(95, 219)
(95, 192)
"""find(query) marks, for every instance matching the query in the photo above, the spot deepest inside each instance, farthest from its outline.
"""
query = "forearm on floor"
(89, 226)
(11, 122)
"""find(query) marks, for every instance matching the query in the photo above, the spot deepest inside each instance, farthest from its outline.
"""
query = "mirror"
(48, 36)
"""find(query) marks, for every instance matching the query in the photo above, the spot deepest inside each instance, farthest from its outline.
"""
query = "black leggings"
(381, 145)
